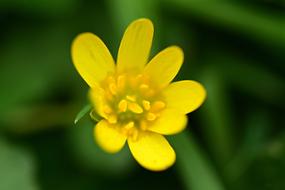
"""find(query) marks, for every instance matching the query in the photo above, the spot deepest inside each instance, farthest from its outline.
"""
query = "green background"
(235, 141)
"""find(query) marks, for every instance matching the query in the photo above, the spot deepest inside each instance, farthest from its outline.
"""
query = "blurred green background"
(235, 141)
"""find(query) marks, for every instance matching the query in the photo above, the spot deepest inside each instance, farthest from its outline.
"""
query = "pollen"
(123, 105)
(146, 104)
(132, 103)
(134, 107)
(130, 125)
(112, 119)
(144, 86)
(121, 82)
(113, 88)
(158, 106)
(107, 109)
(150, 116)
(131, 98)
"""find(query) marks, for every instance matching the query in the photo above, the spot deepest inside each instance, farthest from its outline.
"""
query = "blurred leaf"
(267, 170)
(255, 80)
(42, 7)
(252, 145)
(90, 156)
(193, 166)
(17, 168)
(86, 109)
(138, 9)
(35, 118)
(247, 76)
(26, 72)
(260, 25)
(218, 128)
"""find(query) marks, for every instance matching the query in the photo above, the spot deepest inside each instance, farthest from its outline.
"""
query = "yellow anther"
(139, 77)
(121, 82)
(123, 105)
(113, 88)
(158, 105)
(110, 79)
(146, 104)
(149, 92)
(134, 134)
(109, 95)
(107, 109)
(134, 107)
(150, 116)
(144, 86)
(112, 119)
(130, 125)
(143, 125)
(131, 98)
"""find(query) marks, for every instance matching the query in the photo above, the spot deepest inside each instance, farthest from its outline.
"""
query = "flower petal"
(185, 95)
(108, 137)
(152, 151)
(135, 46)
(91, 58)
(165, 65)
(97, 97)
(171, 121)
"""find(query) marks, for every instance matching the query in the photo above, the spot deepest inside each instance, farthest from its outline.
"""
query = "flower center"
(132, 102)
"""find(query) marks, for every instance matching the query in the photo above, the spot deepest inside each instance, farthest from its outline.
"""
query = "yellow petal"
(165, 65)
(97, 98)
(135, 46)
(170, 121)
(185, 95)
(152, 151)
(108, 137)
(91, 58)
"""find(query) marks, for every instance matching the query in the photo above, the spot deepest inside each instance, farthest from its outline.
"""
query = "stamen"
(112, 119)
(134, 134)
(134, 107)
(123, 105)
(110, 79)
(107, 109)
(113, 88)
(139, 77)
(131, 98)
(146, 104)
(149, 93)
(130, 125)
(144, 86)
(158, 105)
(143, 125)
(128, 104)
(108, 95)
(121, 82)
(150, 116)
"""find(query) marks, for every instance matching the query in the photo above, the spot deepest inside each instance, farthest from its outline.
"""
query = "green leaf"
(17, 168)
(193, 166)
(90, 156)
(256, 23)
(218, 127)
(82, 113)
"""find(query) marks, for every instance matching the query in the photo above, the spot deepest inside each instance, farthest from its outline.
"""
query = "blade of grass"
(136, 9)
(218, 128)
(260, 25)
(248, 76)
(193, 166)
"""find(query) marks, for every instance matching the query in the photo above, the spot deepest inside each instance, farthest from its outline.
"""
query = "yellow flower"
(136, 101)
